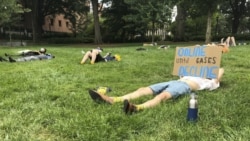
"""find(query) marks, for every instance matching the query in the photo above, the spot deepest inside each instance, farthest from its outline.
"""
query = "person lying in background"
(95, 56)
(29, 52)
(32, 58)
(28, 55)
(230, 41)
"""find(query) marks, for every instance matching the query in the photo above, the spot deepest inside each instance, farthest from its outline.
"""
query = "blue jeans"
(175, 88)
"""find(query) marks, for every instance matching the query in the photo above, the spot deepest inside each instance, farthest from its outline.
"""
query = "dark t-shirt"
(99, 58)
(31, 53)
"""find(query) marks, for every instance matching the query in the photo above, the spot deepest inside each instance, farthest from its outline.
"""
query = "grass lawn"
(49, 100)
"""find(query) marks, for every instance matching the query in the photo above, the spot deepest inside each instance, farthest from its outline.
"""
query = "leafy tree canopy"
(9, 8)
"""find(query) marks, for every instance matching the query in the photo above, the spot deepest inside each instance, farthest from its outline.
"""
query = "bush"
(69, 40)
(196, 38)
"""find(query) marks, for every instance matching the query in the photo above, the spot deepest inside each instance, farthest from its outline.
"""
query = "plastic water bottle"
(193, 108)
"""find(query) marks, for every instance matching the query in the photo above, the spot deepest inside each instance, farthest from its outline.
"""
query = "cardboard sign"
(200, 61)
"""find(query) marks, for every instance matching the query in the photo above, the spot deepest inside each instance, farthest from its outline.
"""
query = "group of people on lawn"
(161, 91)
(29, 55)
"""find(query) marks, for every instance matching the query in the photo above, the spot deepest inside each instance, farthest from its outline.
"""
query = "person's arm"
(108, 54)
(220, 74)
(215, 83)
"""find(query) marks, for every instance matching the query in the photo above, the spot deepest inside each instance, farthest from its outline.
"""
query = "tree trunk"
(37, 20)
(235, 24)
(180, 23)
(34, 20)
(209, 27)
(98, 37)
(238, 11)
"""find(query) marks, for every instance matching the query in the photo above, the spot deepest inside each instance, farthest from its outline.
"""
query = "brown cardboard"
(201, 61)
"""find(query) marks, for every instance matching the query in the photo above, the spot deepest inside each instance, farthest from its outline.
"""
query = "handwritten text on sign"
(200, 61)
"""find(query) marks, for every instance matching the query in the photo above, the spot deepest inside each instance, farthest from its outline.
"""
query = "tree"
(42, 8)
(236, 11)
(98, 36)
(10, 13)
(116, 28)
(9, 8)
(76, 12)
(153, 14)
(208, 8)
(180, 21)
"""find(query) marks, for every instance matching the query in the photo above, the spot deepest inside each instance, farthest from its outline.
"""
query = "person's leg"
(129, 108)
(86, 57)
(3, 59)
(233, 41)
(222, 40)
(23, 59)
(136, 94)
(155, 101)
(93, 57)
(11, 59)
(163, 91)
(133, 95)
(108, 57)
(227, 42)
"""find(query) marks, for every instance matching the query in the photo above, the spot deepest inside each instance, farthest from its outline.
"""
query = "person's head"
(225, 48)
(101, 50)
(42, 50)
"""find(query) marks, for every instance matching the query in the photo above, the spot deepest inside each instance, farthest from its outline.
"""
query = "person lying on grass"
(162, 92)
(25, 53)
(28, 55)
(32, 58)
(28, 58)
(95, 56)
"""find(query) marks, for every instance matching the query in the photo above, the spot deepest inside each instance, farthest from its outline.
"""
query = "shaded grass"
(48, 100)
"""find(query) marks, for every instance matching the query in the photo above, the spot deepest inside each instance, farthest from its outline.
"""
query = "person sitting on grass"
(162, 92)
(95, 56)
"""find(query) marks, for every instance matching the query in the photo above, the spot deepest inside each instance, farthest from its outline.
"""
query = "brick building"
(56, 24)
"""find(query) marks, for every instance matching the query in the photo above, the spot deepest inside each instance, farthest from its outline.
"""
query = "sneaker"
(11, 60)
(100, 97)
(128, 107)
(2, 59)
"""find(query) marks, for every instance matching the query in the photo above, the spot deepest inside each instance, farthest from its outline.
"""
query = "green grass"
(49, 101)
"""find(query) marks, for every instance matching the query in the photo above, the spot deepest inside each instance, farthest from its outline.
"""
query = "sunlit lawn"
(48, 100)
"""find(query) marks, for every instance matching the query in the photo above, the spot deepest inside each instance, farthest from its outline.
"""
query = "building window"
(67, 24)
(60, 23)
(51, 22)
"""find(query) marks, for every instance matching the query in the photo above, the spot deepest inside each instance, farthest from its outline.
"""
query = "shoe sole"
(126, 106)
(95, 96)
